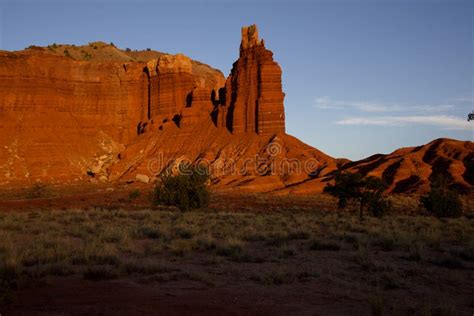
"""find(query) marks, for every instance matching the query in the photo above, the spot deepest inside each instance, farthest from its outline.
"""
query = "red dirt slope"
(411, 169)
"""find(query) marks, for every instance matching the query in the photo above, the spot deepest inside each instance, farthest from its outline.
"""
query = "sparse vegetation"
(368, 192)
(135, 194)
(38, 190)
(86, 55)
(187, 190)
(283, 248)
(67, 54)
(442, 201)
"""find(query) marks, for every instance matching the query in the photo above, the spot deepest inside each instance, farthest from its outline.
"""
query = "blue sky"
(360, 77)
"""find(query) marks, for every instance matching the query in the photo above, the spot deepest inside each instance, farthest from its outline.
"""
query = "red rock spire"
(254, 97)
(250, 37)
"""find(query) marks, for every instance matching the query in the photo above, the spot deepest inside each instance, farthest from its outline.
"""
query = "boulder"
(142, 178)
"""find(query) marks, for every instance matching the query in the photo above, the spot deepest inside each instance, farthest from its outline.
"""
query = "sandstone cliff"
(97, 113)
(254, 96)
(63, 119)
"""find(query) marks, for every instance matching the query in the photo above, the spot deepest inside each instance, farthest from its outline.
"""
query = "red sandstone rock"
(409, 170)
(170, 82)
(58, 115)
(109, 115)
(254, 97)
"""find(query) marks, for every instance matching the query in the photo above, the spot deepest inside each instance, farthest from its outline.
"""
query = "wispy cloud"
(326, 102)
(443, 121)
(465, 98)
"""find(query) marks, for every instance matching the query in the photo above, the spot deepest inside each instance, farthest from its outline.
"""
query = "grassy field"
(395, 264)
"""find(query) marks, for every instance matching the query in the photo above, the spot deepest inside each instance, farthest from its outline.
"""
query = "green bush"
(87, 56)
(135, 194)
(377, 205)
(442, 201)
(187, 190)
(37, 191)
(368, 192)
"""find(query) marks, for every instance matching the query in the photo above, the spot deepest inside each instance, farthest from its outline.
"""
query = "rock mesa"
(73, 114)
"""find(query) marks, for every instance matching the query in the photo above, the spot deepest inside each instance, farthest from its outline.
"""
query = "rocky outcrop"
(95, 112)
(99, 113)
(58, 116)
(254, 97)
(170, 82)
(412, 169)
(408, 170)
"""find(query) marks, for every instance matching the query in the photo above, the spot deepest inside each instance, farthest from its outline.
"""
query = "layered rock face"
(96, 113)
(254, 97)
(58, 116)
(62, 119)
(91, 112)
(170, 82)
(410, 169)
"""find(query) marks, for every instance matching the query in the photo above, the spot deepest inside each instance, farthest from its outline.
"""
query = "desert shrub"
(179, 247)
(368, 192)
(146, 267)
(37, 190)
(298, 234)
(67, 54)
(184, 233)
(147, 232)
(279, 276)
(377, 205)
(230, 248)
(87, 56)
(135, 194)
(442, 201)
(187, 190)
(58, 269)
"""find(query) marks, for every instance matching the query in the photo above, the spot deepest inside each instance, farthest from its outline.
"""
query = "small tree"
(368, 192)
(187, 190)
(442, 201)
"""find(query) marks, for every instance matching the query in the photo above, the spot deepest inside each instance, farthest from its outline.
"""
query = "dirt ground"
(103, 250)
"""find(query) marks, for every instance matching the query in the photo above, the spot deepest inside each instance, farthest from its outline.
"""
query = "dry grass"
(269, 248)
